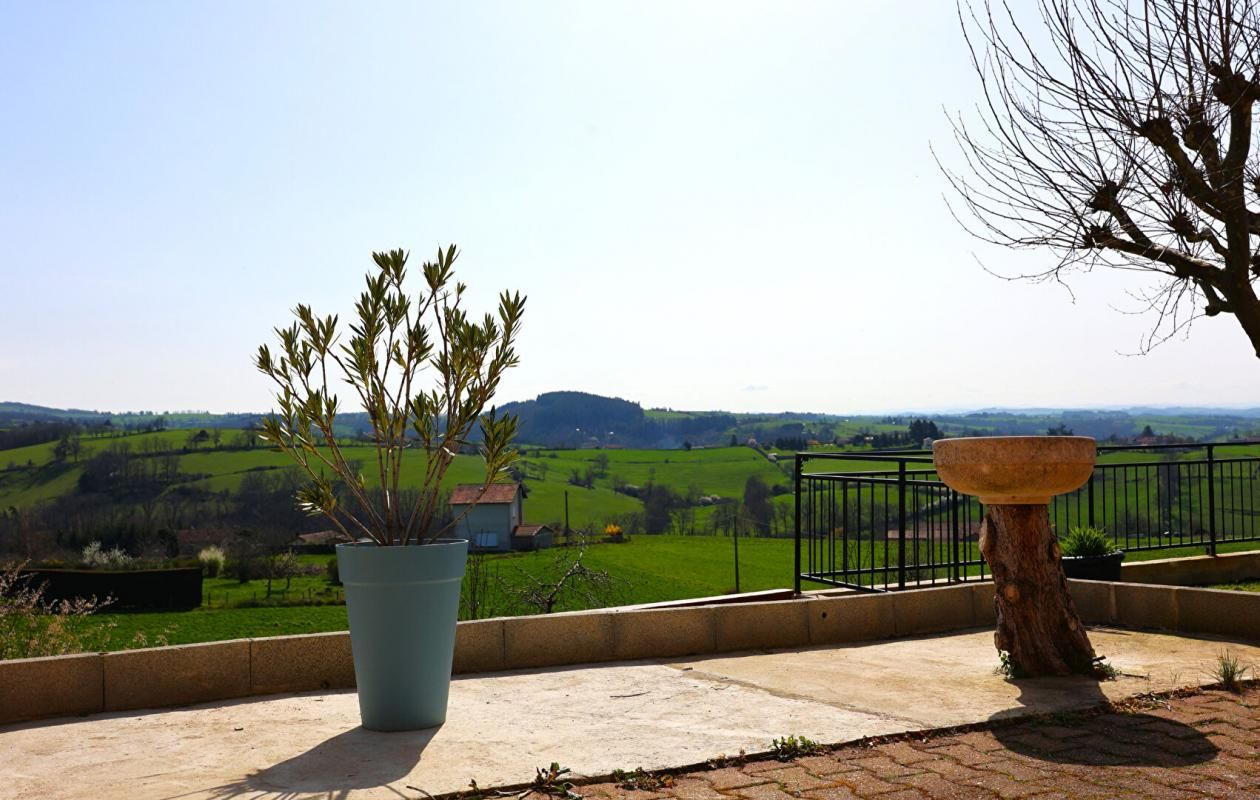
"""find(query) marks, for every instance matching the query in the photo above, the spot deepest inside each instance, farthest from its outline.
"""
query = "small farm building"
(496, 522)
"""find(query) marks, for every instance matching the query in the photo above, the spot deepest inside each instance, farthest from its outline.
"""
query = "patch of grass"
(225, 591)
(657, 568)
(202, 625)
(1229, 671)
(1243, 586)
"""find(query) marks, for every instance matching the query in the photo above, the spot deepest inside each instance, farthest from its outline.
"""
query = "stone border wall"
(180, 675)
(1194, 570)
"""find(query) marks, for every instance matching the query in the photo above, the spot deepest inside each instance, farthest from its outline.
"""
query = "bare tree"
(1118, 133)
(567, 583)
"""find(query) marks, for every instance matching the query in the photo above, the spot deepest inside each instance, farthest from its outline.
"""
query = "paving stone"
(1017, 770)
(1229, 744)
(982, 741)
(794, 779)
(1038, 742)
(825, 765)
(611, 791)
(952, 770)
(935, 786)
(1134, 783)
(831, 793)
(1006, 787)
(884, 767)
(753, 767)
(904, 753)
(730, 778)
(694, 789)
(1211, 789)
(1234, 772)
(764, 791)
(1060, 732)
(863, 783)
(1075, 787)
(963, 754)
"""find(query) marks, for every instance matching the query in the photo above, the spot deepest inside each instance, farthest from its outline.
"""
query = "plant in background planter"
(401, 575)
(1090, 554)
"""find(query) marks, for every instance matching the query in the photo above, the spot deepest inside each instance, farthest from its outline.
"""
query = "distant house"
(320, 542)
(496, 521)
(938, 530)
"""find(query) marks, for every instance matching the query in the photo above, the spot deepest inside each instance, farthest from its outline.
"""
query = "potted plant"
(425, 373)
(1089, 554)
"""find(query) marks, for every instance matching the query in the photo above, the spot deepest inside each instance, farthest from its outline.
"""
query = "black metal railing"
(896, 526)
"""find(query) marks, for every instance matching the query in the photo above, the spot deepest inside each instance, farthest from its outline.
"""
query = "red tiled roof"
(323, 537)
(529, 530)
(466, 493)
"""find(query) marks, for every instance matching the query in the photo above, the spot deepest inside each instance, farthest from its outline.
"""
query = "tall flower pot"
(403, 603)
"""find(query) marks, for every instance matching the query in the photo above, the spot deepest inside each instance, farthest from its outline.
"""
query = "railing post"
(951, 497)
(1211, 469)
(797, 476)
(1091, 497)
(901, 524)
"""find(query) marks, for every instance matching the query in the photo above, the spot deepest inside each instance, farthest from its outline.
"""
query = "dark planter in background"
(1094, 568)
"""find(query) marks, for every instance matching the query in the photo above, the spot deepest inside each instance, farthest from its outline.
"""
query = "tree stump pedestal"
(1037, 623)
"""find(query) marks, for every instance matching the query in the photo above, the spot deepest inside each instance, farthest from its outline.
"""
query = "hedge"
(145, 588)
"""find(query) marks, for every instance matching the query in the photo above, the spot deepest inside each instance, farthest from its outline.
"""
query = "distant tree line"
(36, 433)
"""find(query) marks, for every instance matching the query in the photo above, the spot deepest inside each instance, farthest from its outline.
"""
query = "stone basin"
(1015, 470)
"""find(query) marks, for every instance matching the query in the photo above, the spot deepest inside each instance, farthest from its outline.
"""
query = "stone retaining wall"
(184, 674)
(1195, 570)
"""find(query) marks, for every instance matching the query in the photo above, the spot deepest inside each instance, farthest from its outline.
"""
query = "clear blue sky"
(710, 205)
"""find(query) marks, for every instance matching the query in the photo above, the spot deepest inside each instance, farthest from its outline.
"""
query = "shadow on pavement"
(1089, 738)
(350, 761)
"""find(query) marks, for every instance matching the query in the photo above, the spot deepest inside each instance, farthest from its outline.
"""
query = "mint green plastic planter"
(403, 603)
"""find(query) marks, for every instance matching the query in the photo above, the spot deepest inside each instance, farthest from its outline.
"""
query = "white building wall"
(487, 527)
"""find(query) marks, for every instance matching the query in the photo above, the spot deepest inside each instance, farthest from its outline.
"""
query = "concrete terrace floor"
(593, 719)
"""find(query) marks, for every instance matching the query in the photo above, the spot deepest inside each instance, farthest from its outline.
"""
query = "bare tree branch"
(1118, 134)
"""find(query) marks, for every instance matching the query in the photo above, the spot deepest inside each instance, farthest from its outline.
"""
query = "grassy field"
(148, 629)
(647, 569)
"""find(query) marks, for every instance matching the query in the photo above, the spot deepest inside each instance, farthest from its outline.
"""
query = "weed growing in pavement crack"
(639, 779)
(1230, 671)
(790, 747)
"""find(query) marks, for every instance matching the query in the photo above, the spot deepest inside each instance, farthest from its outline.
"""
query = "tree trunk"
(1037, 623)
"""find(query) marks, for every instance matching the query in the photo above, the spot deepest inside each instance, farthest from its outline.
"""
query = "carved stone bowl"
(1015, 470)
